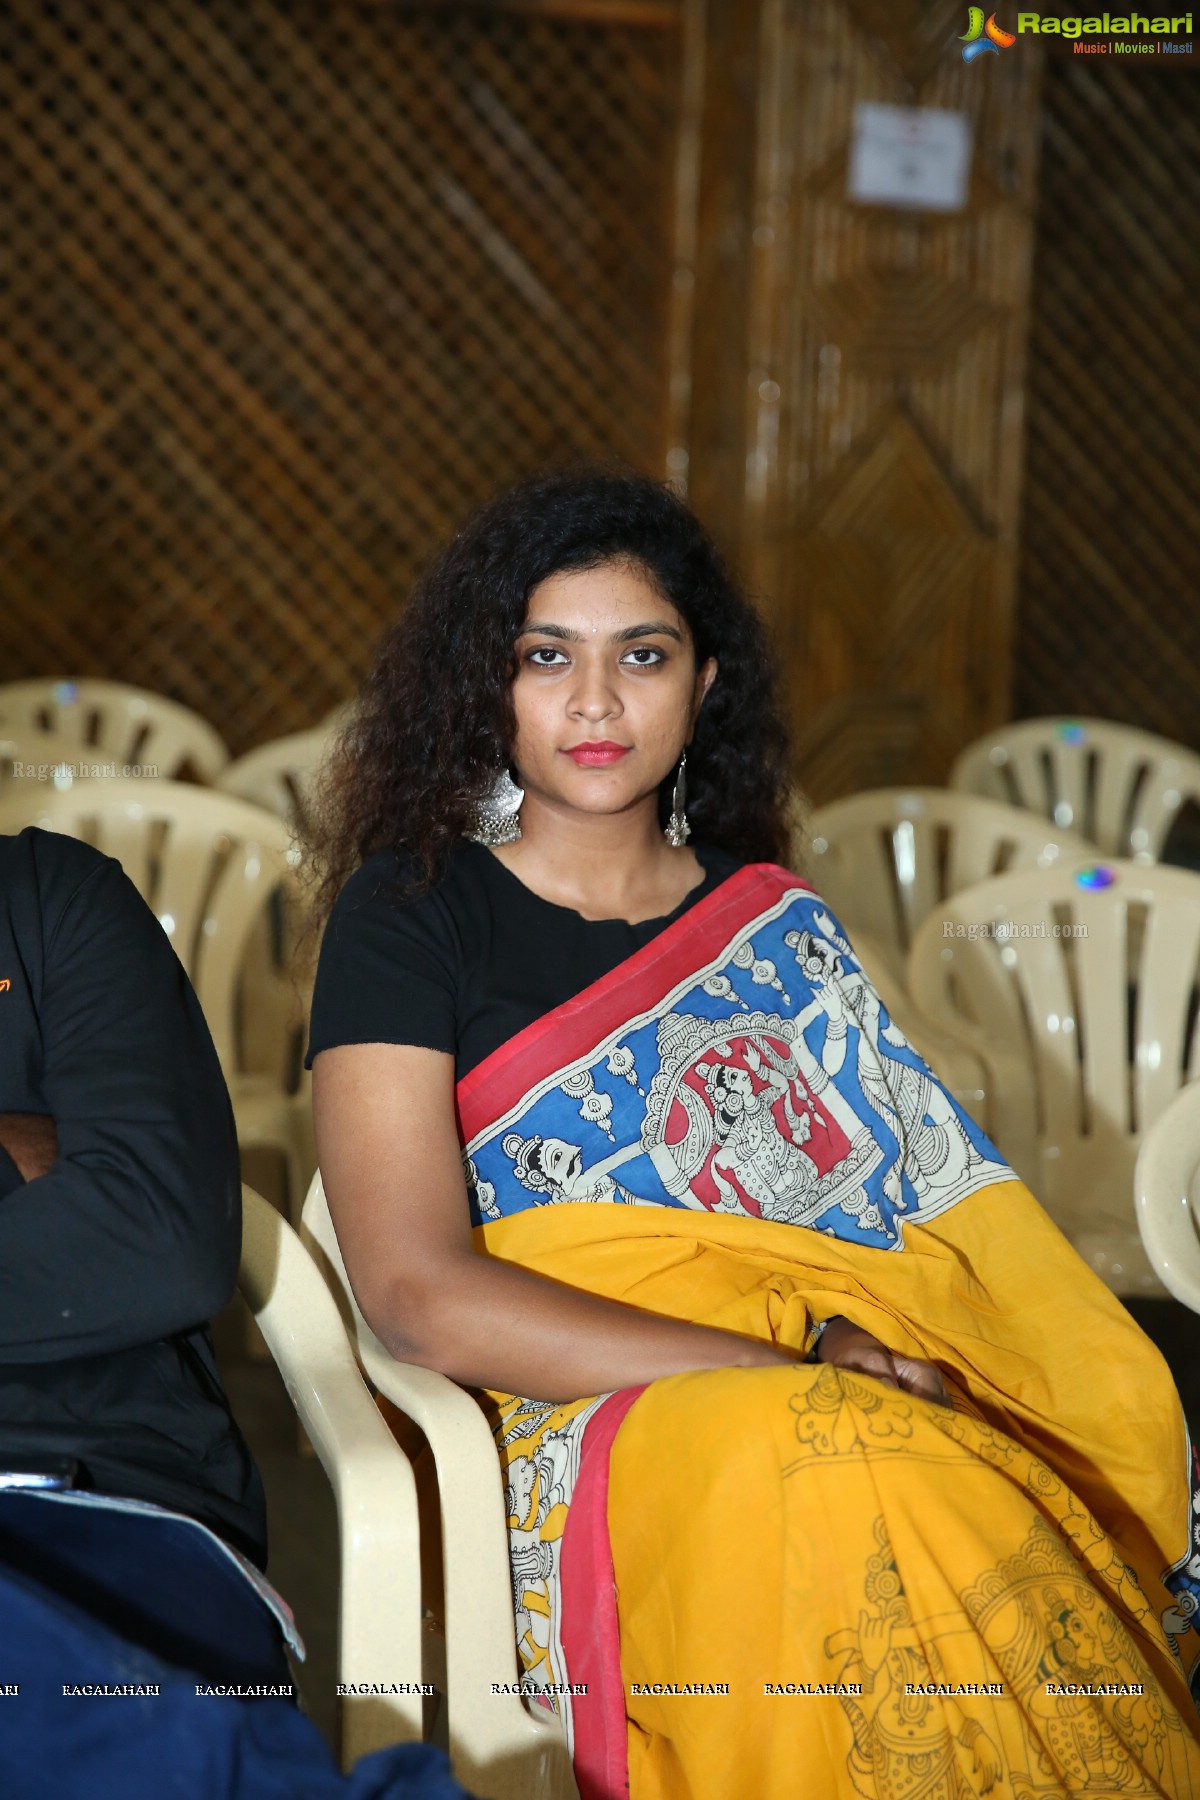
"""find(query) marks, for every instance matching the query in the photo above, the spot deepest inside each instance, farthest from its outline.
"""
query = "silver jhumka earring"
(677, 831)
(496, 819)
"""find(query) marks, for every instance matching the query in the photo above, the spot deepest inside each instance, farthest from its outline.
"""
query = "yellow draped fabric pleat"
(962, 1601)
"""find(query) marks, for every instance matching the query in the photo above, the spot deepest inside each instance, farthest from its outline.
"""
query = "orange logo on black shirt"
(5, 985)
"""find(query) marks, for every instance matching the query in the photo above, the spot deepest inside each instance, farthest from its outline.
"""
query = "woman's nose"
(594, 695)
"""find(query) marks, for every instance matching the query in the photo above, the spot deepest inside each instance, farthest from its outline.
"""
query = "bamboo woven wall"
(295, 284)
(1109, 613)
(859, 371)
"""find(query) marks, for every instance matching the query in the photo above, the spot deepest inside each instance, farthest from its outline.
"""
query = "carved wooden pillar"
(852, 432)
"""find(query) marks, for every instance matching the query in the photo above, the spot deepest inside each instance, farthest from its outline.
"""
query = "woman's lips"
(595, 756)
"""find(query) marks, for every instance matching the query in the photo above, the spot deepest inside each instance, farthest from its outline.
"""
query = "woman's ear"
(706, 674)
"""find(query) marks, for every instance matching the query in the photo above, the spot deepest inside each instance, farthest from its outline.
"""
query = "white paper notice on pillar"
(914, 156)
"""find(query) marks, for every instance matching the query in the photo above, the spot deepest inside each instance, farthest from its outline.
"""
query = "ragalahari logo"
(980, 38)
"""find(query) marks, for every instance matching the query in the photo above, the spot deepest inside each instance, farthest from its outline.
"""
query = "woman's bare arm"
(389, 1155)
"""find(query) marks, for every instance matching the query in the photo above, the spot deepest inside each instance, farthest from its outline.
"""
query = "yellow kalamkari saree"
(794, 1581)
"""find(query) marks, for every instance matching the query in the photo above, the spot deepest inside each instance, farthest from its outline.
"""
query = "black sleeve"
(387, 968)
(135, 1231)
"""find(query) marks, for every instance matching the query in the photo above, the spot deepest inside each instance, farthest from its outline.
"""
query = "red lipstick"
(597, 756)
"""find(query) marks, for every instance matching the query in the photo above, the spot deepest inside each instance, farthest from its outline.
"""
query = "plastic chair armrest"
(379, 1615)
(488, 1729)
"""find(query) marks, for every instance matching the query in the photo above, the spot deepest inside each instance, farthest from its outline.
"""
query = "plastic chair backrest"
(281, 775)
(1167, 1190)
(123, 724)
(1116, 786)
(206, 863)
(886, 858)
(28, 756)
(1087, 977)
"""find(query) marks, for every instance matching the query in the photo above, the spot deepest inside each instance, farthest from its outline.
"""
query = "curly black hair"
(434, 717)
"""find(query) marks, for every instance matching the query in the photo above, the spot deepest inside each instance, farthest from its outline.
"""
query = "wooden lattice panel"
(294, 285)
(1108, 619)
(911, 35)
(868, 480)
(900, 576)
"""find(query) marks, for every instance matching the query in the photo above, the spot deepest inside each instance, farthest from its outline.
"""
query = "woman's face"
(606, 690)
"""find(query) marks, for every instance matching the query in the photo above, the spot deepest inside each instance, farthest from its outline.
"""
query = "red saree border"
(579, 1024)
(591, 1636)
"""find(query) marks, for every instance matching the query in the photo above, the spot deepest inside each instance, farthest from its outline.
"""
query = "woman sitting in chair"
(831, 1468)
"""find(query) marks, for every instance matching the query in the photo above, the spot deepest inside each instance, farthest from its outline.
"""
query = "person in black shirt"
(136, 1577)
(120, 1225)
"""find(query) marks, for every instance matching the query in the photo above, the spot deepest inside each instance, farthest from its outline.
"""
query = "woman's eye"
(545, 657)
(645, 656)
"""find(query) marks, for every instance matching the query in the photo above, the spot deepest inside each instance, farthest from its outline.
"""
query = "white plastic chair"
(886, 858)
(379, 1591)
(28, 756)
(1118, 787)
(500, 1749)
(1081, 1001)
(950, 1059)
(123, 724)
(207, 864)
(1167, 1190)
(280, 775)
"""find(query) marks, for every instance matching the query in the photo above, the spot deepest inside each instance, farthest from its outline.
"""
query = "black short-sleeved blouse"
(466, 966)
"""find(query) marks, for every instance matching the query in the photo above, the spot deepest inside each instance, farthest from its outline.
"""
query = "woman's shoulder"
(393, 880)
(389, 903)
(391, 960)
(386, 909)
(382, 880)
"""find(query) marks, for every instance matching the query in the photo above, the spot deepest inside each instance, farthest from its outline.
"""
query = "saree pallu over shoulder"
(657, 1140)
(740, 1063)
